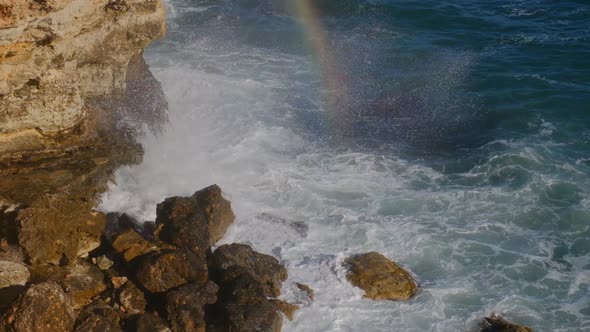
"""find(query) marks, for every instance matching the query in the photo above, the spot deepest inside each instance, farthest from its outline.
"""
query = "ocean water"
(451, 136)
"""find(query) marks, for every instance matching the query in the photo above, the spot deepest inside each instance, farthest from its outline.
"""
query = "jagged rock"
(285, 307)
(185, 306)
(379, 277)
(43, 308)
(132, 299)
(151, 322)
(307, 290)
(194, 222)
(160, 271)
(98, 317)
(496, 323)
(56, 229)
(264, 268)
(81, 281)
(104, 263)
(130, 244)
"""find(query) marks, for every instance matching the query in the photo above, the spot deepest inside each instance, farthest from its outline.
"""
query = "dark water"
(453, 136)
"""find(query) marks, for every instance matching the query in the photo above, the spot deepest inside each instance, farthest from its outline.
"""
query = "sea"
(451, 136)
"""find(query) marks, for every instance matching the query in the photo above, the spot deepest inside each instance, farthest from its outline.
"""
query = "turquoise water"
(459, 146)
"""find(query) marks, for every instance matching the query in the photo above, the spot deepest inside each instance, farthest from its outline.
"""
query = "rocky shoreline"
(74, 91)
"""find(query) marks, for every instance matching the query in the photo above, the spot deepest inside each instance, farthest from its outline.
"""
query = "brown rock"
(496, 323)
(151, 322)
(43, 308)
(287, 308)
(104, 263)
(185, 306)
(57, 230)
(263, 268)
(130, 244)
(194, 222)
(158, 272)
(379, 277)
(132, 299)
(98, 317)
(308, 291)
(81, 281)
(13, 277)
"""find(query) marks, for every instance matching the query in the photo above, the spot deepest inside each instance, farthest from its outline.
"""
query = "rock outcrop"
(379, 277)
(495, 323)
(70, 70)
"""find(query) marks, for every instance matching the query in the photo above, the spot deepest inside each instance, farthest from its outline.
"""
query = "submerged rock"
(379, 277)
(160, 271)
(43, 308)
(265, 269)
(194, 222)
(495, 323)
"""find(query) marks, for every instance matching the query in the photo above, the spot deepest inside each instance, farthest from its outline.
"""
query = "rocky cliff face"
(70, 70)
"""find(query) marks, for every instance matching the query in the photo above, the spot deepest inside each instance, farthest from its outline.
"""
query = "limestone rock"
(496, 323)
(43, 308)
(130, 244)
(379, 277)
(13, 274)
(264, 268)
(151, 322)
(185, 306)
(194, 222)
(98, 317)
(81, 281)
(160, 271)
(132, 299)
(56, 229)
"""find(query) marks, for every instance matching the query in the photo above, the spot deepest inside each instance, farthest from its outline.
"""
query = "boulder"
(185, 306)
(193, 222)
(44, 307)
(160, 271)
(495, 323)
(379, 277)
(98, 317)
(132, 299)
(56, 230)
(151, 322)
(265, 269)
(285, 307)
(81, 281)
(130, 244)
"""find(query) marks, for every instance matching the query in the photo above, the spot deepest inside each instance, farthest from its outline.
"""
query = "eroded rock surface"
(496, 323)
(185, 306)
(379, 277)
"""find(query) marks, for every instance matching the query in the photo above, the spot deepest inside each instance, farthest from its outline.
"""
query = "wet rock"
(496, 323)
(57, 230)
(130, 244)
(307, 290)
(265, 269)
(185, 306)
(379, 277)
(104, 263)
(194, 222)
(98, 317)
(81, 281)
(132, 299)
(43, 308)
(151, 322)
(286, 308)
(160, 271)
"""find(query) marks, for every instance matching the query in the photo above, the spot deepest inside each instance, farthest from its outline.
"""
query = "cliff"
(70, 71)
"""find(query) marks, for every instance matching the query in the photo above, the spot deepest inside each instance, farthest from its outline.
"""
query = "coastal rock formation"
(70, 70)
(379, 277)
(186, 306)
(98, 317)
(13, 274)
(43, 308)
(193, 222)
(495, 323)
